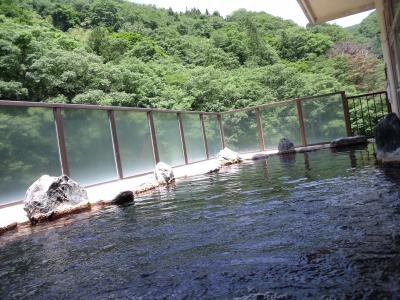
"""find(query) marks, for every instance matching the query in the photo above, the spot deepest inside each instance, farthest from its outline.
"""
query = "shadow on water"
(288, 160)
(305, 226)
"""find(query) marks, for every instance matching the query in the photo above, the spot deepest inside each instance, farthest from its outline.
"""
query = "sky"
(286, 9)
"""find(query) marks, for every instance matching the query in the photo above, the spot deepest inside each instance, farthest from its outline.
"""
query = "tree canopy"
(120, 53)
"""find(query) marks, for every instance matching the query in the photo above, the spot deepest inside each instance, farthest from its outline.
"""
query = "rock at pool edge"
(387, 138)
(48, 194)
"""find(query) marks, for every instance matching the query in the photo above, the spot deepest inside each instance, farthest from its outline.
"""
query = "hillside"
(367, 34)
(121, 53)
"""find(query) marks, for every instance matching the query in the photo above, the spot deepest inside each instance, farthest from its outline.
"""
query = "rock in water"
(349, 141)
(387, 138)
(285, 145)
(123, 198)
(50, 193)
(164, 173)
(226, 157)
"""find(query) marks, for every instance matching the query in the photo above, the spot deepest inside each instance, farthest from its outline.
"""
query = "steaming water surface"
(304, 226)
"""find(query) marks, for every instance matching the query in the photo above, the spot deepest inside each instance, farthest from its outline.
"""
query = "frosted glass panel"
(89, 147)
(280, 121)
(168, 138)
(28, 149)
(193, 137)
(213, 134)
(134, 142)
(323, 119)
(240, 131)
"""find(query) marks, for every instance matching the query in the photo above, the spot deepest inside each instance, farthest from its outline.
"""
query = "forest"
(112, 52)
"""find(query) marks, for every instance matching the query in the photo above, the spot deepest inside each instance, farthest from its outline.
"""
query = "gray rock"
(259, 156)
(164, 173)
(387, 138)
(123, 198)
(226, 157)
(285, 145)
(349, 141)
(50, 193)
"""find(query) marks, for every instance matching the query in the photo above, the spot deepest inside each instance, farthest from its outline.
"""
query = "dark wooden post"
(203, 130)
(221, 130)
(185, 155)
(346, 114)
(301, 122)
(114, 139)
(260, 130)
(154, 145)
(62, 151)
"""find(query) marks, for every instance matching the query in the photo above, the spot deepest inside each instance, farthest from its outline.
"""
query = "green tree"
(64, 17)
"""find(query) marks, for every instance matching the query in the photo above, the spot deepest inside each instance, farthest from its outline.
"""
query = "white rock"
(226, 156)
(164, 173)
(49, 193)
(150, 184)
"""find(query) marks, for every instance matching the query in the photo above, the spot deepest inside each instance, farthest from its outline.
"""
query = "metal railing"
(245, 130)
(366, 111)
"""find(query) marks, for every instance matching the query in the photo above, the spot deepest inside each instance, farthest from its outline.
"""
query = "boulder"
(259, 156)
(123, 198)
(349, 141)
(387, 138)
(164, 173)
(48, 194)
(227, 157)
(285, 145)
(147, 186)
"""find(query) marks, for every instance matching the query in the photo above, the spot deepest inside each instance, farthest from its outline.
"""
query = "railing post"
(346, 113)
(114, 139)
(203, 130)
(154, 145)
(389, 106)
(62, 151)
(221, 130)
(260, 130)
(301, 122)
(185, 155)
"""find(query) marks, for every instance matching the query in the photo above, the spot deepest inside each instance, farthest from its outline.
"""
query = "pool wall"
(13, 217)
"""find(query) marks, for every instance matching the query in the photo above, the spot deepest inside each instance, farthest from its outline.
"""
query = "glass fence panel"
(323, 119)
(213, 134)
(134, 142)
(28, 149)
(168, 138)
(240, 129)
(193, 137)
(89, 146)
(280, 121)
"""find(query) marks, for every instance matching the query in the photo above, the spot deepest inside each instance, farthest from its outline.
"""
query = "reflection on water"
(314, 225)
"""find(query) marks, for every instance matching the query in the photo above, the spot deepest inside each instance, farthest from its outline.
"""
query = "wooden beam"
(301, 122)
(203, 130)
(183, 141)
(221, 130)
(346, 114)
(114, 139)
(260, 130)
(150, 121)
(62, 151)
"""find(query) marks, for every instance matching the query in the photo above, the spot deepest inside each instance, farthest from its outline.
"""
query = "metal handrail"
(16, 103)
(282, 102)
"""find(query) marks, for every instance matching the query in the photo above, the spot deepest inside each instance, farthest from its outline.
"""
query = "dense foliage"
(119, 53)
